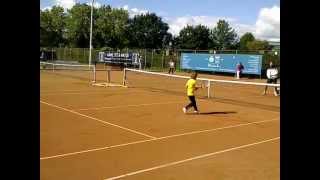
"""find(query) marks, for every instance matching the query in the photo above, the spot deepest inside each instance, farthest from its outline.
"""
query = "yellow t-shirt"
(191, 86)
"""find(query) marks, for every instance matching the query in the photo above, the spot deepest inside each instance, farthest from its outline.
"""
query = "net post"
(108, 76)
(94, 72)
(52, 67)
(107, 68)
(124, 77)
(208, 87)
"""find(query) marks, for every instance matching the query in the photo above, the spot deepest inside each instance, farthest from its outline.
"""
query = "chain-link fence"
(151, 59)
(80, 55)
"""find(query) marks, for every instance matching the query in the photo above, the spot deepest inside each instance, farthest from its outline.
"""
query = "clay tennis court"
(98, 133)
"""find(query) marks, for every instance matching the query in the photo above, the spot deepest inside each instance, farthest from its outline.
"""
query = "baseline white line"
(61, 91)
(157, 139)
(94, 92)
(135, 105)
(52, 94)
(104, 122)
(191, 159)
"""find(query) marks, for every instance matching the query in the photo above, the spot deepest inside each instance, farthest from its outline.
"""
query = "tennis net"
(78, 71)
(236, 92)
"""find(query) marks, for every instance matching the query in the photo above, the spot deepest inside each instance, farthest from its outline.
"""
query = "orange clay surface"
(89, 132)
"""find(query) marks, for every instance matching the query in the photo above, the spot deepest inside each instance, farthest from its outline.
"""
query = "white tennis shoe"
(184, 110)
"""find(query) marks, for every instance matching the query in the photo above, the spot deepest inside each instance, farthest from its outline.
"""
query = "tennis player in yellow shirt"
(191, 88)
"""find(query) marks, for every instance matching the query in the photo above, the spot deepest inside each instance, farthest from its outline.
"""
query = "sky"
(260, 17)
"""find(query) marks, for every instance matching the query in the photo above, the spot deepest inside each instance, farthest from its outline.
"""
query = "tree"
(45, 28)
(235, 45)
(185, 40)
(223, 36)
(194, 37)
(119, 19)
(175, 42)
(52, 26)
(258, 45)
(147, 31)
(201, 34)
(102, 31)
(78, 25)
(110, 28)
(166, 40)
(247, 37)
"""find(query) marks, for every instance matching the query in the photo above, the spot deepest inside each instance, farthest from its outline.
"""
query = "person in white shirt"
(272, 75)
(171, 66)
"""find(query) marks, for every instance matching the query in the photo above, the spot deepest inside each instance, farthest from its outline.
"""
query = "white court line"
(157, 139)
(104, 122)
(97, 92)
(61, 91)
(51, 94)
(191, 159)
(135, 105)
(70, 92)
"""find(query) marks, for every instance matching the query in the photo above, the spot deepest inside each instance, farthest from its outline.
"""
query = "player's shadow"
(214, 113)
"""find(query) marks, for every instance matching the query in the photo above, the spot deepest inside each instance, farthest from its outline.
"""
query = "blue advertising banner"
(221, 62)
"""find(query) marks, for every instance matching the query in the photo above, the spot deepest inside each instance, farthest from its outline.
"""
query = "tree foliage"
(223, 36)
(52, 26)
(113, 28)
(258, 45)
(194, 37)
(78, 25)
(148, 31)
(247, 37)
(110, 27)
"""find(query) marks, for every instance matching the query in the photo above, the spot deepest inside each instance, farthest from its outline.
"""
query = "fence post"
(52, 54)
(162, 60)
(178, 54)
(64, 53)
(152, 59)
(145, 58)
(84, 53)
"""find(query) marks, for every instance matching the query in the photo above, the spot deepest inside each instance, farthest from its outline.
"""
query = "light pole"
(90, 45)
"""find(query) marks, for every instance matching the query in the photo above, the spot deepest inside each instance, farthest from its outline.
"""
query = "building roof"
(274, 43)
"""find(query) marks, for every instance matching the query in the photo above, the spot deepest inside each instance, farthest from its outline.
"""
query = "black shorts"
(273, 81)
